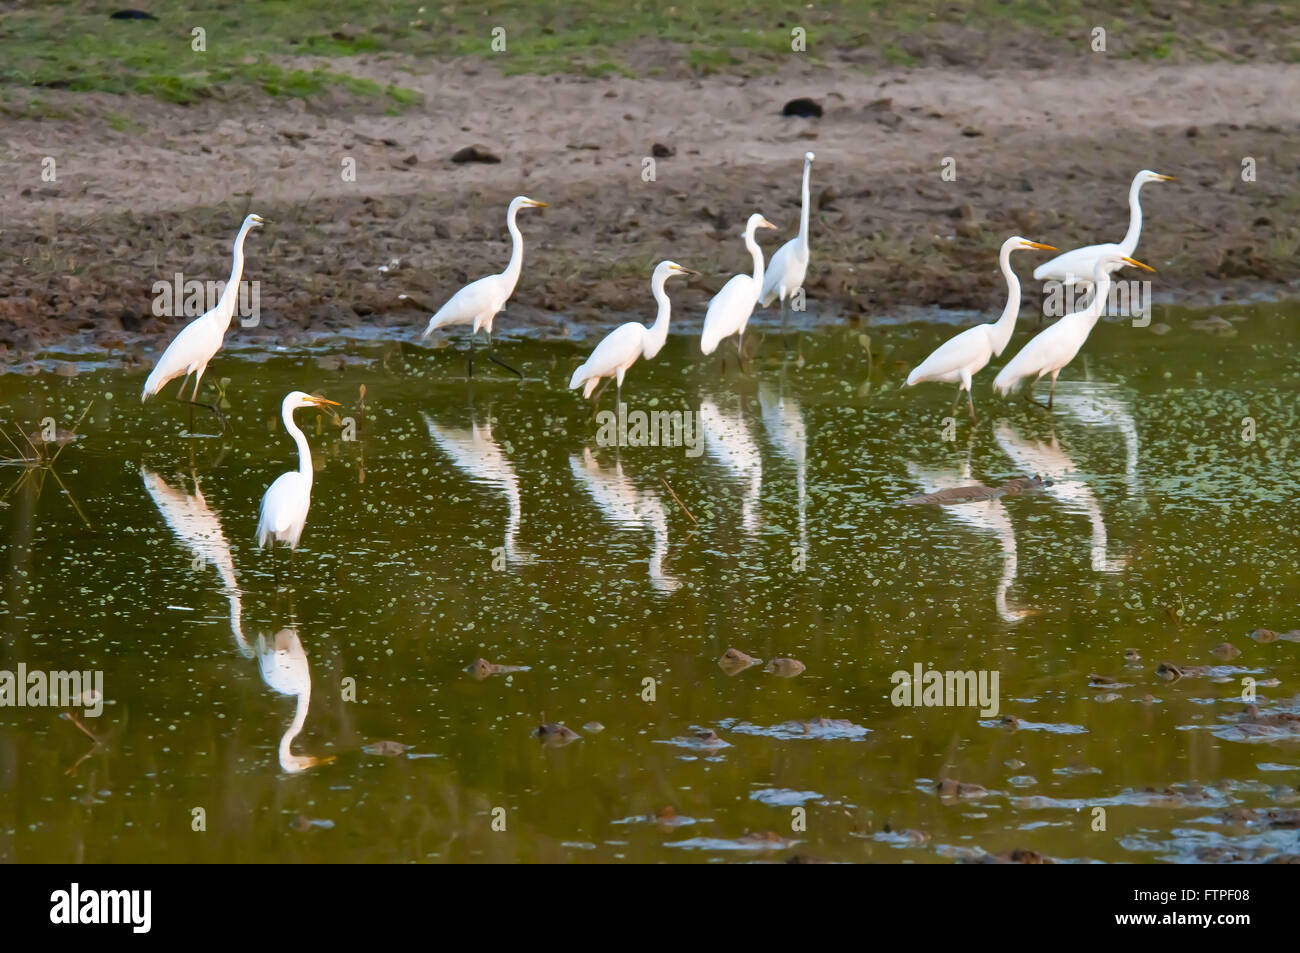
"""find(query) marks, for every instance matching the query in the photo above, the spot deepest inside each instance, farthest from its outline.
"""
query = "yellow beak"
(322, 402)
(1166, 178)
(1029, 244)
(1138, 264)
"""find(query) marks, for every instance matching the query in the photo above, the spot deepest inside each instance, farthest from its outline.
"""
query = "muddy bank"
(1045, 154)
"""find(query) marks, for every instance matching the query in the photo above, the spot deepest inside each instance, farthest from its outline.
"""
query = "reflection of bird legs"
(194, 392)
(497, 361)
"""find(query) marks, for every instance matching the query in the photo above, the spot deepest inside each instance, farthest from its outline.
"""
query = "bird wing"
(284, 504)
(731, 307)
(1050, 348)
(971, 349)
(196, 343)
(467, 304)
(1074, 265)
(621, 346)
(785, 267)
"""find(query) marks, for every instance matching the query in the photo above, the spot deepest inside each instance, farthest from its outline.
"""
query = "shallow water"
(467, 520)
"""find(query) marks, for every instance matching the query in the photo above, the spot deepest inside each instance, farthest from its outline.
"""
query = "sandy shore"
(1047, 154)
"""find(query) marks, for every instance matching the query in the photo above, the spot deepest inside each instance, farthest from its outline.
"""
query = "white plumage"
(1076, 266)
(729, 311)
(1056, 346)
(626, 343)
(789, 266)
(192, 349)
(964, 355)
(287, 500)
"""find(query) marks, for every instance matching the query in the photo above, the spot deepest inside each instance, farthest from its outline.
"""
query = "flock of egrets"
(286, 502)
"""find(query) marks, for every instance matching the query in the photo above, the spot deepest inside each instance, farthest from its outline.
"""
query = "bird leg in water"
(740, 352)
(1052, 393)
(221, 418)
(785, 323)
(970, 403)
(469, 361)
(497, 361)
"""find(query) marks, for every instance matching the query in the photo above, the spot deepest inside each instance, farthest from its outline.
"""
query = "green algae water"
(454, 520)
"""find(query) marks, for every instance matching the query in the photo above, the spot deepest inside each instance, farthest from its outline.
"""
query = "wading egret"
(479, 301)
(731, 307)
(789, 266)
(1077, 266)
(627, 342)
(286, 501)
(199, 340)
(960, 358)
(1054, 347)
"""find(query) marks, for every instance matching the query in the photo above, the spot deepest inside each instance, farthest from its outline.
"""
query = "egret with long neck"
(192, 349)
(789, 266)
(1077, 266)
(286, 501)
(960, 358)
(1056, 346)
(623, 346)
(478, 302)
(730, 309)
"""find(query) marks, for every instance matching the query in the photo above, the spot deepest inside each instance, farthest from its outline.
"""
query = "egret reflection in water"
(1052, 463)
(1103, 405)
(283, 664)
(198, 528)
(987, 516)
(622, 503)
(783, 421)
(476, 453)
(728, 440)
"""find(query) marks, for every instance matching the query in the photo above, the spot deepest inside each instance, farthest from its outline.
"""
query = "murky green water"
(467, 521)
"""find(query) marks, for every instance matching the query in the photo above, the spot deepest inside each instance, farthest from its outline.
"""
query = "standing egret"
(627, 342)
(286, 501)
(1076, 266)
(789, 266)
(199, 340)
(479, 301)
(1055, 346)
(963, 356)
(731, 307)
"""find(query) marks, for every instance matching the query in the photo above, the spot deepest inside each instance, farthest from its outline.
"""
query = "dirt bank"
(146, 189)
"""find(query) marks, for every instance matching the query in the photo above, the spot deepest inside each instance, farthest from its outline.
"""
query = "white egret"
(199, 340)
(1077, 266)
(479, 301)
(1056, 346)
(627, 342)
(963, 356)
(731, 307)
(286, 501)
(789, 266)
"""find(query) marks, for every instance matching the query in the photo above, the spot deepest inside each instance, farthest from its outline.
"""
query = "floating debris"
(386, 749)
(734, 661)
(785, 667)
(819, 729)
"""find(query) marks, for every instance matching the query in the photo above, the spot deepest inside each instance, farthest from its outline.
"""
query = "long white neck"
(757, 252)
(226, 303)
(803, 214)
(1090, 315)
(304, 451)
(1007, 323)
(658, 332)
(511, 274)
(1130, 242)
(288, 760)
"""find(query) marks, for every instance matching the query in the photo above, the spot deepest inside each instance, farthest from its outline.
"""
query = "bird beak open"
(322, 402)
(1138, 264)
(1029, 244)
(1165, 178)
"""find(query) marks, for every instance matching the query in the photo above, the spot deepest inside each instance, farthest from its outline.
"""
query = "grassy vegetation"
(68, 44)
